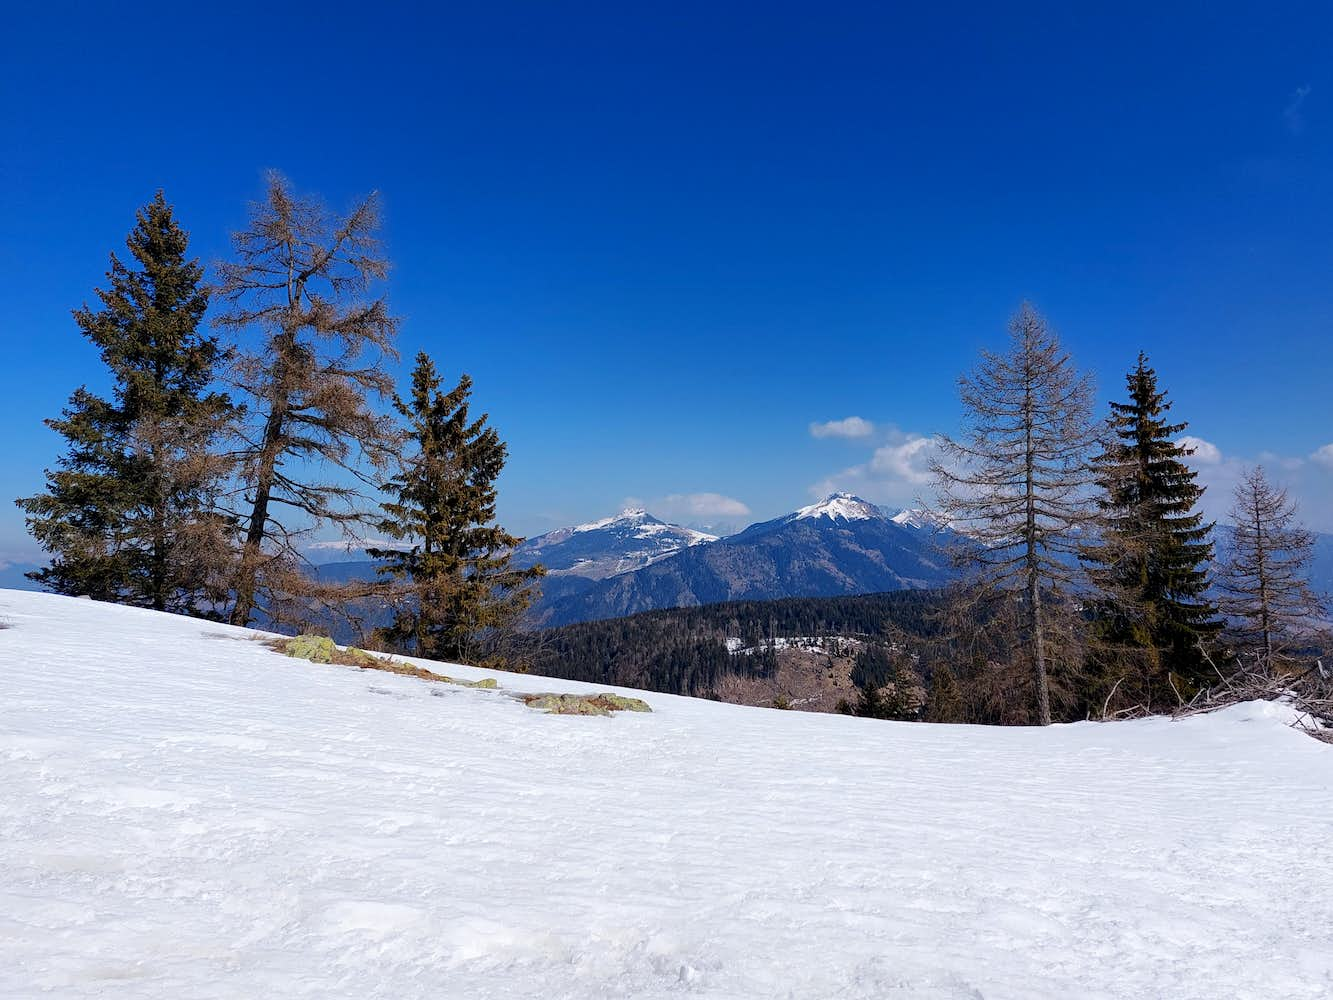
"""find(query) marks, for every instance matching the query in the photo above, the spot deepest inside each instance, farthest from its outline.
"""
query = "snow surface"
(840, 506)
(186, 814)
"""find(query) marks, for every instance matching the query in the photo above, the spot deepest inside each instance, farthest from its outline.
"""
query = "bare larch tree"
(1016, 482)
(299, 286)
(1265, 578)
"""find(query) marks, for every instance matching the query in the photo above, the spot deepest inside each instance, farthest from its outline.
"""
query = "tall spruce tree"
(456, 588)
(314, 360)
(129, 514)
(1150, 564)
(870, 702)
(1016, 485)
(944, 703)
(1266, 592)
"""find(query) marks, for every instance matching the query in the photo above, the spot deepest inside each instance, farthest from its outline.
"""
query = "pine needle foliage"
(128, 515)
(454, 585)
(1150, 564)
(944, 702)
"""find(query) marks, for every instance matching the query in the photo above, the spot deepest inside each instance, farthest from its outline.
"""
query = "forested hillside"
(694, 650)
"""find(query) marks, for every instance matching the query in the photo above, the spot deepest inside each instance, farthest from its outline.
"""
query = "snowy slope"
(186, 814)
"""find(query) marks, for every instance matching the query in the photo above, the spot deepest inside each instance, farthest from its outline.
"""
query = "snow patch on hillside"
(188, 814)
(921, 519)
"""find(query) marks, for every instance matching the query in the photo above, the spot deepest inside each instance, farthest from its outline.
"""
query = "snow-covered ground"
(185, 814)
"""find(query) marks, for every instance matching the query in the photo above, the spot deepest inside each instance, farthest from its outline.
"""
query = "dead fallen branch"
(1309, 691)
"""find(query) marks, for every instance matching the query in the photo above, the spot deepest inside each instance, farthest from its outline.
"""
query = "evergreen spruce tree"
(870, 702)
(456, 586)
(1151, 563)
(883, 684)
(128, 515)
(1265, 579)
(945, 701)
(898, 703)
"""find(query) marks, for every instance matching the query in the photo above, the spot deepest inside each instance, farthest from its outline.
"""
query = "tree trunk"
(1034, 572)
(158, 586)
(248, 572)
(1039, 651)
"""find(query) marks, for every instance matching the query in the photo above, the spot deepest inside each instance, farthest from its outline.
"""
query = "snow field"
(184, 813)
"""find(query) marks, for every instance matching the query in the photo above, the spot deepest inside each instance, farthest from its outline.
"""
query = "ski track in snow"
(185, 814)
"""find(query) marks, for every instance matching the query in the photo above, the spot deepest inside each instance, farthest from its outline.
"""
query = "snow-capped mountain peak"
(628, 516)
(840, 507)
(920, 518)
(630, 540)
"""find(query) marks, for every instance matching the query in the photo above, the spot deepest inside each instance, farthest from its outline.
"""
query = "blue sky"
(666, 242)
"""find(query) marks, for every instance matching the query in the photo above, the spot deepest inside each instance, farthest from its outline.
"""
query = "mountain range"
(627, 542)
(841, 545)
(632, 562)
(576, 558)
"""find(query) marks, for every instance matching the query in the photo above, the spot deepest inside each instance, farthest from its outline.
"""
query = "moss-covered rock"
(584, 704)
(565, 704)
(315, 648)
(486, 683)
(620, 703)
(320, 649)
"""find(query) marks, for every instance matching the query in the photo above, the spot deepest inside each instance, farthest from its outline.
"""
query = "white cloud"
(848, 427)
(1205, 452)
(698, 505)
(1287, 463)
(907, 460)
(1309, 479)
(1293, 113)
(897, 472)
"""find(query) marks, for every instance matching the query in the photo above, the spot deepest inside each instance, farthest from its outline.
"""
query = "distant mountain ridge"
(840, 545)
(629, 541)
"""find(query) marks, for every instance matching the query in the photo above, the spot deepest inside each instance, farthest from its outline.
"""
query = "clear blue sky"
(666, 242)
